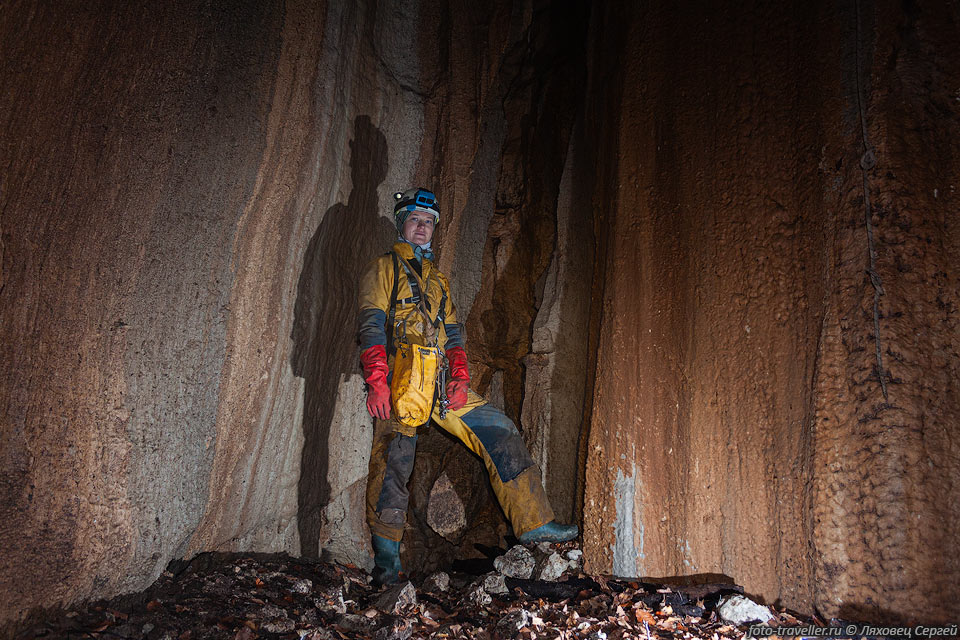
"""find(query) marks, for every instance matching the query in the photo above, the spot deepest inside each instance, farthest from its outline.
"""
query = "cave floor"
(246, 596)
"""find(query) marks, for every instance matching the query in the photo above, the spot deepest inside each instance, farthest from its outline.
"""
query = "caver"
(416, 371)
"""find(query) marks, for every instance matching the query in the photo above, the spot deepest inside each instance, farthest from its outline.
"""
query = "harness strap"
(414, 283)
(441, 315)
(414, 299)
(393, 305)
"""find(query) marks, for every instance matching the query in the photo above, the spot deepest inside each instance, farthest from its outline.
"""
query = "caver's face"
(418, 228)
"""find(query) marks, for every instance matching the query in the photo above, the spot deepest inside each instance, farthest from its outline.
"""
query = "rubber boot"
(386, 558)
(551, 532)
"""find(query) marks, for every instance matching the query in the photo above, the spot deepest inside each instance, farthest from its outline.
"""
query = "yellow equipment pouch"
(415, 369)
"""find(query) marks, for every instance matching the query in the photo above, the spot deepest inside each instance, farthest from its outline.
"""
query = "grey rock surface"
(552, 567)
(737, 609)
(397, 598)
(477, 596)
(438, 581)
(445, 511)
(398, 630)
(332, 600)
(518, 562)
(495, 583)
(357, 623)
(303, 586)
(509, 624)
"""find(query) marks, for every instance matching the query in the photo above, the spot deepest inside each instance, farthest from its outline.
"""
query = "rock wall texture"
(185, 191)
(654, 222)
(739, 422)
(188, 193)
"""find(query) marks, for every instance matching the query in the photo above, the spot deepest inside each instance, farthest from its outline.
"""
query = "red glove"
(375, 372)
(459, 378)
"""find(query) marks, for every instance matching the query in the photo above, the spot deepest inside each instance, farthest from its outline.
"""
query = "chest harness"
(420, 372)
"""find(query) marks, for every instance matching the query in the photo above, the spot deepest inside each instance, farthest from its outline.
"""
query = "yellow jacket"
(376, 287)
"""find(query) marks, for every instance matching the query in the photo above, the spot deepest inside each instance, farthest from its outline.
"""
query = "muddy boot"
(551, 532)
(386, 558)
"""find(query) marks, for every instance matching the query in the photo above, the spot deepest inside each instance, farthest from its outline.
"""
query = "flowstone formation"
(777, 355)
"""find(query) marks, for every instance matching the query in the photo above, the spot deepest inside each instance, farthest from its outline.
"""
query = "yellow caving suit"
(484, 429)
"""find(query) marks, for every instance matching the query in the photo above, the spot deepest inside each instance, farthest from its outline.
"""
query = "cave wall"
(166, 370)
(188, 193)
(129, 151)
(739, 424)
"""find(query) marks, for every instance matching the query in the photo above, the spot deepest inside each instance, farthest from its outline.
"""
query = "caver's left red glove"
(459, 378)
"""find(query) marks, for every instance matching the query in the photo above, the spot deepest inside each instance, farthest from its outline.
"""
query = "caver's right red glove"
(375, 370)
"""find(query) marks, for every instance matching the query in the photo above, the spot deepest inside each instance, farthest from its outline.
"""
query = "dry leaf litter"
(530, 593)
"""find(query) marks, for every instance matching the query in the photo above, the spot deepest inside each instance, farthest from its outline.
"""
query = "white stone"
(553, 567)
(303, 586)
(737, 609)
(396, 598)
(513, 622)
(478, 596)
(495, 583)
(438, 581)
(518, 562)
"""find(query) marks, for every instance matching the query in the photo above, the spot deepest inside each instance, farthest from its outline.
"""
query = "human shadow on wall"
(325, 316)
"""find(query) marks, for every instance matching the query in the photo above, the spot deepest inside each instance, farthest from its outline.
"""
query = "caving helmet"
(415, 199)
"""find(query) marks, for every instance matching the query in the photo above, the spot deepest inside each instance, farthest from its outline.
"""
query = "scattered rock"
(245, 633)
(445, 511)
(303, 586)
(437, 582)
(279, 625)
(552, 567)
(264, 603)
(273, 619)
(271, 612)
(518, 562)
(513, 622)
(495, 583)
(309, 618)
(739, 610)
(397, 598)
(399, 630)
(331, 601)
(477, 596)
(575, 556)
(354, 623)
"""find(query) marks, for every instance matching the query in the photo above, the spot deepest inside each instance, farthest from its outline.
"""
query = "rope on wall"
(867, 162)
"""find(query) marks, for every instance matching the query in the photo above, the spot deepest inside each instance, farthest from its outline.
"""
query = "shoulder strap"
(414, 282)
(415, 298)
(414, 289)
(424, 305)
(442, 312)
(393, 304)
